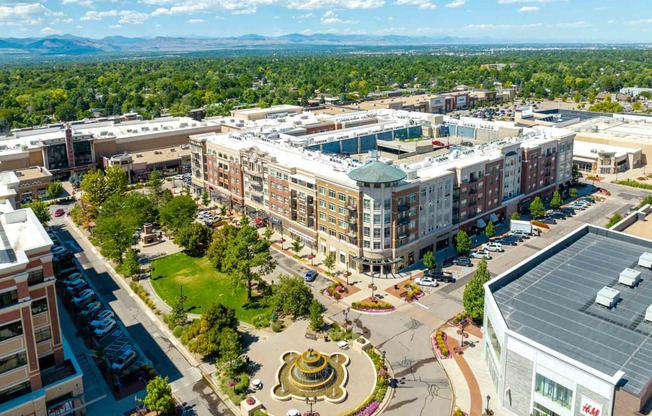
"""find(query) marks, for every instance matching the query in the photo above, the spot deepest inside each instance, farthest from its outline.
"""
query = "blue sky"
(537, 20)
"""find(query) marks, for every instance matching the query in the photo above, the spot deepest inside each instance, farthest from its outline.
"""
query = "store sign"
(461, 100)
(61, 409)
(590, 408)
(438, 102)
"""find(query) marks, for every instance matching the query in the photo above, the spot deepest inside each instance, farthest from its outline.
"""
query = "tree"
(462, 242)
(429, 260)
(637, 106)
(94, 190)
(515, 215)
(76, 179)
(269, 231)
(154, 186)
(316, 317)
(215, 320)
(230, 344)
(572, 193)
(179, 316)
(291, 296)
(536, 208)
(116, 181)
(130, 265)
(576, 174)
(329, 261)
(247, 258)
(41, 211)
(159, 396)
(556, 200)
(577, 97)
(194, 238)
(113, 235)
(205, 199)
(615, 219)
(591, 98)
(54, 189)
(473, 298)
(178, 213)
(297, 245)
(223, 210)
(490, 230)
(222, 237)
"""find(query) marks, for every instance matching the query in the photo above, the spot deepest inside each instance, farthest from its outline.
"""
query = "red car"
(59, 212)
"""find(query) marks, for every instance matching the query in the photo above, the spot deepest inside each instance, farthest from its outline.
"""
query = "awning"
(302, 235)
(303, 178)
(480, 223)
(493, 218)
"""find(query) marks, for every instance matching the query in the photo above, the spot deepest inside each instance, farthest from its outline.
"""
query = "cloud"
(572, 25)
(126, 16)
(491, 26)
(331, 18)
(523, 1)
(421, 4)
(250, 6)
(115, 26)
(93, 15)
(49, 31)
(196, 21)
(638, 22)
(455, 4)
(526, 9)
(25, 14)
(303, 16)
(87, 3)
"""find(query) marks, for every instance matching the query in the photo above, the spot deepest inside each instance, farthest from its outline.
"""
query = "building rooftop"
(377, 172)
(551, 299)
(33, 173)
(633, 127)
(591, 150)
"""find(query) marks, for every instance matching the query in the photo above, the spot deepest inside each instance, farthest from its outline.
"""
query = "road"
(186, 380)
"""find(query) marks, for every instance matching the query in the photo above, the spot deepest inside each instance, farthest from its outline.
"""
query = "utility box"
(629, 277)
(608, 297)
(645, 260)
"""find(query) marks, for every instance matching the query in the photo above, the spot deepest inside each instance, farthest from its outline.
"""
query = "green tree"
(222, 237)
(76, 179)
(316, 316)
(247, 258)
(130, 265)
(291, 296)
(179, 316)
(473, 298)
(591, 98)
(113, 235)
(269, 231)
(572, 192)
(556, 200)
(490, 230)
(429, 260)
(329, 261)
(515, 215)
(215, 320)
(576, 174)
(159, 396)
(93, 187)
(116, 181)
(205, 199)
(637, 106)
(577, 97)
(615, 219)
(154, 186)
(178, 213)
(230, 345)
(462, 242)
(223, 210)
(54, 189)
(41, 211)
(297, 245)
(536, 208)
(194, 238)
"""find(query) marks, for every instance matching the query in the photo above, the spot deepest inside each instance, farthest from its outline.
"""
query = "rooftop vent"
(645, 260)
(629, 277)
(608, 297)
(648, 314)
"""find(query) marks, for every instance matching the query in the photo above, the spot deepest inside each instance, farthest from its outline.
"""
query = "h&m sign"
(590, 408)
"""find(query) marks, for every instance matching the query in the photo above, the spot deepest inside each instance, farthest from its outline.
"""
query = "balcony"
(352, 240)
(351, 208)
(404, 234)
(353, 228)
(403, 220)
(403, 207)
(472, 191)
(473, 179)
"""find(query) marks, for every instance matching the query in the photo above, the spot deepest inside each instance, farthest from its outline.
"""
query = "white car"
(480, 254)
(493, 247)
(83, 298)
(125, 359)
(105, 315)
(105, 329)
(426, 281)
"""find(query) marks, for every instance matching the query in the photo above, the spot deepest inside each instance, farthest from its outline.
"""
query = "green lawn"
(202, 285)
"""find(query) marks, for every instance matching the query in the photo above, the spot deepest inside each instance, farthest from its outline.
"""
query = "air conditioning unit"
(608, 297)
(645, 260)
(629, 277)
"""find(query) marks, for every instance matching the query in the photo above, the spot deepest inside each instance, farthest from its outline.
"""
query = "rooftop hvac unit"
(648, 314)
(645, 260)
(629, 277)
(608, 297)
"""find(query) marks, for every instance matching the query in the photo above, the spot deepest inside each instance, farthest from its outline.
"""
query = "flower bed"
(414, 292)
(373, 307)
(440, 345)
(369, 409)
(334, 291)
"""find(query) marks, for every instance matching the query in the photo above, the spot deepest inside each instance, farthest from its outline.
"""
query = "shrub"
(277, 326)
(261, 321)
(459, 412)
(178, 331)
(635, 184)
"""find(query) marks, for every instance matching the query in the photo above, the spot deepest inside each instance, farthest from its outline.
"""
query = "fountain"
(311, 374)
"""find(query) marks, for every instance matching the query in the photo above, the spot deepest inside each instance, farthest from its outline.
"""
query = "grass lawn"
(202, 285)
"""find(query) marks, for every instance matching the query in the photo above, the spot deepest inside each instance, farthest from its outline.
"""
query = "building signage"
(61, 409)
(461, 100)
(590, 408)
(438, 102)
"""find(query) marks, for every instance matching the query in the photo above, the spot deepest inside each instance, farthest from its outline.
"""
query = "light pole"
(383, 356)
(462, 341)
(310, 401)
(487, 409)
(346, 320)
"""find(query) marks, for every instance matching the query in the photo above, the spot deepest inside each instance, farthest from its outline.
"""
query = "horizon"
(510, 21)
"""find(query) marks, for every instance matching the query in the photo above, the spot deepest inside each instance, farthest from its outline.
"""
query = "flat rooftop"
(35, 172)
(550, 299)
(586, 149)
(638, 128)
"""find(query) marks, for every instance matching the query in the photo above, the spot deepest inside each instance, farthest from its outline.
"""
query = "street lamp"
(383, 356)
(346, 320)
(462, 342)
(487, 409)
(310, 401)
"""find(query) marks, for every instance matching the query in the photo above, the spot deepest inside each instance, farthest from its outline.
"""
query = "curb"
(390, 391)
(159, 324)
(450, 383)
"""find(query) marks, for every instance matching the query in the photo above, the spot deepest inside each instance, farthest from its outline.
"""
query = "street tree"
(462, 242)
(329, 261)
(222, 237)
(194, 238)
(229, 345)
(205, 199)
(297, 245)
(473, 298)
(113, 235)
(55, 188)
(490, 230)
(536, 208)
(93, 187)
(572, 193)
(247, 258)
(430, 260)
(41, 211)
(178, 213)
(316, 316)
(291, 296)
(130, 265)
(576, 174)
(179, 316)
(515, 216)
(76, 179)
(269, 231)
(556, 200)
(116, 181)
(154, 186)
(159, 396)
(223, 210)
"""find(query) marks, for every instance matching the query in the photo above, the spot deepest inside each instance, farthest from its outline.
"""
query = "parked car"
(557, 216)
(548, 220)
(63, 257)
(506, 241)
(481, 254)
(426, 281)
(125, 359)
(58, 249)
(586, 199)
(518, 233)
(101, 317)
(310, 276)
(105, 328)
(440, 275)
(60, 212)
(493, 246)
(74, 276)
(83, 298)
(463, 261)
(568, 211)
(76, 286)
(578, 206)
(91, 309)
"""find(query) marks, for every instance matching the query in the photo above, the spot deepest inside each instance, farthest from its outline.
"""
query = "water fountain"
(313, 374)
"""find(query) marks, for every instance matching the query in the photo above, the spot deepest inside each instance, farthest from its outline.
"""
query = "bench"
(311, 336)
(403, 294)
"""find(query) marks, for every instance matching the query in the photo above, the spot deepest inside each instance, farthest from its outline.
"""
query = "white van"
(493, 247)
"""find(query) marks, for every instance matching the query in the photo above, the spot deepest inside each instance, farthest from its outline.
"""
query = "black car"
(506, 241)
(557, 216)
(63, 257)
(440, 275)
(568, 211)
(463, 261)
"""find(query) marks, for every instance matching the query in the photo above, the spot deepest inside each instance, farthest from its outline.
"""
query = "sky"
(535, 20)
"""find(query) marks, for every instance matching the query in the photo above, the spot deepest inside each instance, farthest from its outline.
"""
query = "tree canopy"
(179, 212)
(462, 242)
(473, 298)
(537, 209)
(159, 396)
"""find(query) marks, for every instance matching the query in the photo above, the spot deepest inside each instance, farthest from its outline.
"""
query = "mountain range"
(74, 45)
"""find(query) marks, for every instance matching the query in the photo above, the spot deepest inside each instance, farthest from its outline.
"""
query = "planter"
(361, 344)
(247, 409)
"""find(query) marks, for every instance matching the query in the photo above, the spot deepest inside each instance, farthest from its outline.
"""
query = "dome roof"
(377, 172)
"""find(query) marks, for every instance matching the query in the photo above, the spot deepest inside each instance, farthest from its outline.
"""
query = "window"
(15, 391)
(493, 339)
(42, 334)
(342, 224)
(342, 258)
(322, 203)
(322, 228)
(376, 205)
(332, 220)
(366, 218)
(8, 298)
(377, 245)
(331, 206)
(366, 204)
(413, 197)
(12, 361)
(35, 277)
(554, 391)
(388, 217)
(376, 232)
(376, 218)
(539, 410)
(39, 305)
(322, 216)
(342, 210)
(387, 231)
(333, 233)
(11, 330)
(388, 204)
(341, 197)
(331, 193)
(322, 190)
(366, 231)
(366, 244)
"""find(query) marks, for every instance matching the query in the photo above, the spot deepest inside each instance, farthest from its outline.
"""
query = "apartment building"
(333, 191)
(39, 374)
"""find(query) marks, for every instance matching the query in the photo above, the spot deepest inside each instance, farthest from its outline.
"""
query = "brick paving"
(471, 381)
